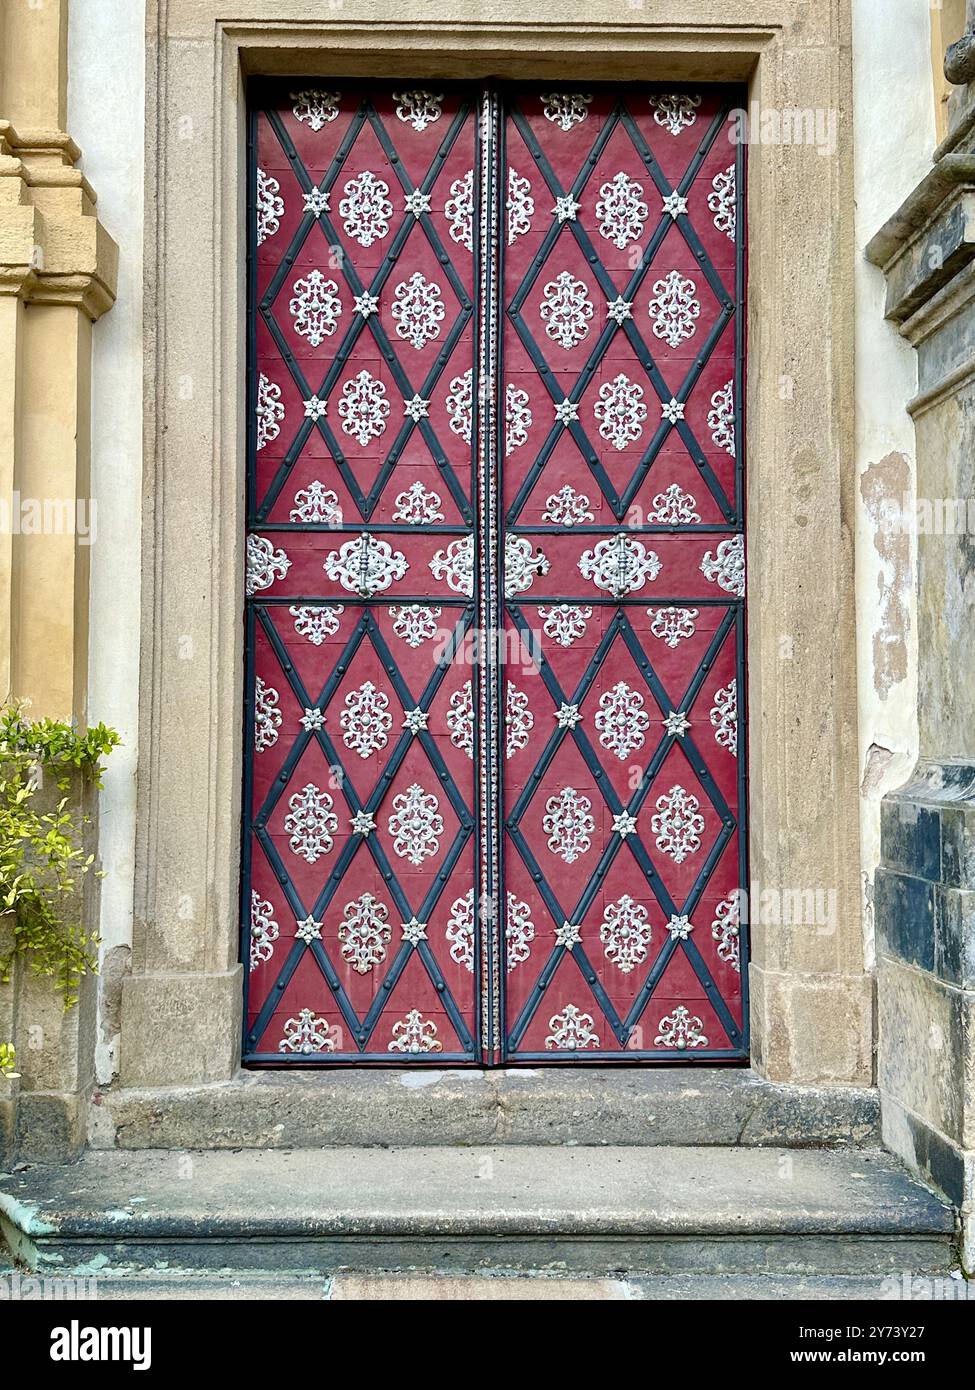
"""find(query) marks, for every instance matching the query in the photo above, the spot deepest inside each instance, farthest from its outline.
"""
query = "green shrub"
(41, 858)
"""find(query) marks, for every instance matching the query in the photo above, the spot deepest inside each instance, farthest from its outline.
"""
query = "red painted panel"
(360, 844)
(622, 346)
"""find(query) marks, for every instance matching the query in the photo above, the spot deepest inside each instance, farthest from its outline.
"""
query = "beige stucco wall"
(106, 113)
(895, 135)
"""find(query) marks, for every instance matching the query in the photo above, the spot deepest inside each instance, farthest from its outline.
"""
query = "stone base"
(925, 918)
(940, 1162)
(181, 1030)
(52, 1126)
(575, 1105)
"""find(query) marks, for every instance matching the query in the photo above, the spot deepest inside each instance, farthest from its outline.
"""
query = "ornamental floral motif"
(311, 823)
(315, 106)
(620, 564)
(517, 418)
(365, 565)
(316, 623)
(521, 564)
(418, 106)
(366, 208)
(456, 565)
(620, 411)
(568, 824)
(264, 564)
(681, 1030)
(415, 1034)
(566, 309)
(726, 929)
(306, 1033)
(267, 716)
(678, 825)
(565, 623)
(317, 504)
(459, 211)
(519, 932)
(363, 933)
(460, 405)
(674, 111)
(460, 931)
(568, 507)
(724, 718)
(721, 418)
(673, 507)
(518, 721)
(672, 625)
(521, 206)
(264, 930)
(366, 720)
(269, 411)
(673, 309)
(621, 210)
(415, 623)
(721, 201)
(270, 206)
(363, 408)
(621, 720)
(315, 307)
(415, 824)
(625, 933)
(416, 506)
(460, 719)
(572, 1030)
(418, 310)
(566, 109)
(726, 567)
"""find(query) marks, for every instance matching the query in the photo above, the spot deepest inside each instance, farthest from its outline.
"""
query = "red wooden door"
(496, 347)
(622, 497)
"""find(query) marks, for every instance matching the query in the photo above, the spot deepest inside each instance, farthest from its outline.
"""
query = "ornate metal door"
(495, 575)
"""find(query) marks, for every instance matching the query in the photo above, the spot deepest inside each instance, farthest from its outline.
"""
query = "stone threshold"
(598, 1211)
(558, 1105)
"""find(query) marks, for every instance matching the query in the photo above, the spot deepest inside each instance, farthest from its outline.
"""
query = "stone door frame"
(811, 999)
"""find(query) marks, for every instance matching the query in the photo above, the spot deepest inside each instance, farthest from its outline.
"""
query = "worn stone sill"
(590, 1106)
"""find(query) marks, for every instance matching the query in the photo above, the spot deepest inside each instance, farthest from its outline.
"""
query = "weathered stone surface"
(261, 1286)
(600, 1105)
(812, 1028)
(922, 1025)
(904, 909)
(9, 1091)
(182, 1029)
(666, 1210)
(910, 835)
(954, 943)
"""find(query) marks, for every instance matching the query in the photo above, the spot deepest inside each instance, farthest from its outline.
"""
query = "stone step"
(598, 1211)
(350, 1286)
(551, 1105)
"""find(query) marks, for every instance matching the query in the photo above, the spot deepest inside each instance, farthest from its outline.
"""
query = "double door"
(494, 793)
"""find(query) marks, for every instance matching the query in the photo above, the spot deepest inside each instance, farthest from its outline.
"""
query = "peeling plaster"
(883, 486)
(876, 766)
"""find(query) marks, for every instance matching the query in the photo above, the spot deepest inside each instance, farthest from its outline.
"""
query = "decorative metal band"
(489, 552)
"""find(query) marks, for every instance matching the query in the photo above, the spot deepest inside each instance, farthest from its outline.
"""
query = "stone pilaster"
(57, 275)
